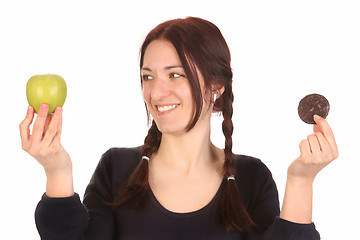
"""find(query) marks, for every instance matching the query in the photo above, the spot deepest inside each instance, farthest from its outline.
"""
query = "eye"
(176, 75)
(146, 77)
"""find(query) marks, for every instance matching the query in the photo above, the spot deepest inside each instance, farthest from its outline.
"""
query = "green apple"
(49, 88)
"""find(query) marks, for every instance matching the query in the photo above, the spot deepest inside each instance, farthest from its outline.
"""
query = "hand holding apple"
(49, 88)
(46, 94)
(44, 145)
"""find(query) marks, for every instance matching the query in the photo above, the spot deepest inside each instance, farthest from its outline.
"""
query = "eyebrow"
(166, 68)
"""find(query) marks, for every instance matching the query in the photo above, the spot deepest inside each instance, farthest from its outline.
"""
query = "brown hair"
(200, 45)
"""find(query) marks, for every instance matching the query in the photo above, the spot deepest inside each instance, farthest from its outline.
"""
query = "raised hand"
(44, 145)
(317, 151)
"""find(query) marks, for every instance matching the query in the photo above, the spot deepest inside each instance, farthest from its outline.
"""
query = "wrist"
(59, 183)
(55, 173)
(299, 181)
(63, 168)
(297, 204)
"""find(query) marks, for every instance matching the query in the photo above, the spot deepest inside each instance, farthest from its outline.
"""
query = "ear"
(218, 92)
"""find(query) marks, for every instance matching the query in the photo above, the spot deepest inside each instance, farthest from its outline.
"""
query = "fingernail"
(43, 106)
(29, 109)
(317, 118)
(58, 110)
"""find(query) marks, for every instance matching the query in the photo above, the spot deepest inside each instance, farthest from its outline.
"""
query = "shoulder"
(257, 189)
(114, 167)
(251, 172)
(122, 154)
(120, 162)
(247, 164)
(256, 184)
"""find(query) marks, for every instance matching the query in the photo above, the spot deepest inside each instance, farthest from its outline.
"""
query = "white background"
(281, 51)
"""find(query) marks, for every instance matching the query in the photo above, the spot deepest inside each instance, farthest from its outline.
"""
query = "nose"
(160, 90)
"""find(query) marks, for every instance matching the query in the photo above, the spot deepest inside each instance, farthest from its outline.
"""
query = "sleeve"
(68, 218)
(61, 218)
(283, 229)
(265, 210)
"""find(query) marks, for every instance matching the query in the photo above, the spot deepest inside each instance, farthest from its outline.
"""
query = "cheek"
(146, 93)
(184, 90)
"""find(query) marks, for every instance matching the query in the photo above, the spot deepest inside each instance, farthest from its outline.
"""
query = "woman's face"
(166, 89)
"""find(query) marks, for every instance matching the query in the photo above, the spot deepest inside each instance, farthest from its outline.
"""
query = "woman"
(178, 185)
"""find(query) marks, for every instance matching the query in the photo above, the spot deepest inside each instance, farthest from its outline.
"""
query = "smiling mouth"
(166, 108)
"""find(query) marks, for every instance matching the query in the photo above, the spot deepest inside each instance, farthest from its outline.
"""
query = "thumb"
(317, 128)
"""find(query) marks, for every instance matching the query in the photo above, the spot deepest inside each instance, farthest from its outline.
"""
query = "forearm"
(297, 204)
(60, 184)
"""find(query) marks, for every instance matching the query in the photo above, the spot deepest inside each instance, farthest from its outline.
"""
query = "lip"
(172, 106)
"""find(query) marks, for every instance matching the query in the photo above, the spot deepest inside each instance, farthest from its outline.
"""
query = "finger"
(324, 127)
(39, 123)
(56, 141)
(314, 144)
(47, 123)
(324, 144)
(53, 128)
(24, 128)
(305, 149)
(317, 128)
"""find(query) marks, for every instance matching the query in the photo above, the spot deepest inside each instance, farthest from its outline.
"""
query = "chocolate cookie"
(313, 104)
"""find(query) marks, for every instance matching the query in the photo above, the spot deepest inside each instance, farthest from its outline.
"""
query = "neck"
(188, 151)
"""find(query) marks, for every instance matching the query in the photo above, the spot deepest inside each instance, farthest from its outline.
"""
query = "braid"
(228, 128)
(230, 208)
(152, 141)
(133, 192)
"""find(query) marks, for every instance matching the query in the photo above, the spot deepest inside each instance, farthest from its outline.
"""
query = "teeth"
(166, 108)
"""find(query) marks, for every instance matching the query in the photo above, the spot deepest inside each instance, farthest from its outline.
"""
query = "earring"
(214, 97)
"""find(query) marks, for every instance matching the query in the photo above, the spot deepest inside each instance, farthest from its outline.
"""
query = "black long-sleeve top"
(68, 218)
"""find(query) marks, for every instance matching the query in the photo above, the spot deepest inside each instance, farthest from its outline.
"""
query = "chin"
(172, 129)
